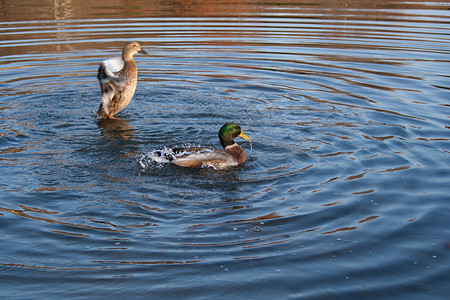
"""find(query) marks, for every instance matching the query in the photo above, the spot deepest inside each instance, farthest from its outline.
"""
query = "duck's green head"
(228, 132)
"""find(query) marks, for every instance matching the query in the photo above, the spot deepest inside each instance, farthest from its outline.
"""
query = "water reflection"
(116, 128)
(341, 10)
(34, 213)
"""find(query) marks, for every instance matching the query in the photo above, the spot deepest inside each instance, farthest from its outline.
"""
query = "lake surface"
(345, 194)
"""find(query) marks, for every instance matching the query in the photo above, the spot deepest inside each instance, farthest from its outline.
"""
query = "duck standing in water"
(118, 79)
(233, 155)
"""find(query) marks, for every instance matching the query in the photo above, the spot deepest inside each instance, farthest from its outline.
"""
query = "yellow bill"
(242, 135)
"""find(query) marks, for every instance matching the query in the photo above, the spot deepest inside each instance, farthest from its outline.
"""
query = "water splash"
(159, 157)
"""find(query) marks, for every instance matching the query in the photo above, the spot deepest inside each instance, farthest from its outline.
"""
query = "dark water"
(345, 193)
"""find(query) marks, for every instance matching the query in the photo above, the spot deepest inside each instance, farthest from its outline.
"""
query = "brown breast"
(237, 153)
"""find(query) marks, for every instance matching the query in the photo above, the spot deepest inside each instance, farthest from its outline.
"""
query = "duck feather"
(196, 157)
(110, 83)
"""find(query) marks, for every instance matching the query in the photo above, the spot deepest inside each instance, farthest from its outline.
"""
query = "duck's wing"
(196, 157)
(110, 82)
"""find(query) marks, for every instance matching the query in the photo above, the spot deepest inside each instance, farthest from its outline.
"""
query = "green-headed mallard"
(118, 79)
(233, 155)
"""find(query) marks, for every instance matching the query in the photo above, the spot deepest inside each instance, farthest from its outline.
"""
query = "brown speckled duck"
(233, 155)
(118, 79)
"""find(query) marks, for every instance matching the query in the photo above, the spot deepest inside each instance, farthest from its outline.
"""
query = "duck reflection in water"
(116, 128)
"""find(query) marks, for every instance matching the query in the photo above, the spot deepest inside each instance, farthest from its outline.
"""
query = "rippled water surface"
(345, 192)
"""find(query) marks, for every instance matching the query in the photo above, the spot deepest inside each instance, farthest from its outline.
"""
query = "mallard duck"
(118, 79)
(195, 157)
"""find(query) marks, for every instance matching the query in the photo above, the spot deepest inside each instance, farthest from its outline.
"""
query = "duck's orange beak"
(242, 135)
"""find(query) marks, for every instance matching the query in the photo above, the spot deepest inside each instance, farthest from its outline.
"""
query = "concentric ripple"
(344, 193)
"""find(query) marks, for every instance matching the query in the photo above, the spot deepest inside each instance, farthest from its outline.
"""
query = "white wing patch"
(114, 64)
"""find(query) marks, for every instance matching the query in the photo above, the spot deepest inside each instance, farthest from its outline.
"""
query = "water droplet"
(256, 229)
(117, 243)
(235, 228)
(434, 256)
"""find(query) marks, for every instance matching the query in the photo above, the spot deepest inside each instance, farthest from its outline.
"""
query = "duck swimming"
(195, 157)
(118, 79)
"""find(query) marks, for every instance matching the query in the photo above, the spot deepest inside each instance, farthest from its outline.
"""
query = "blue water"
(345, 192)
